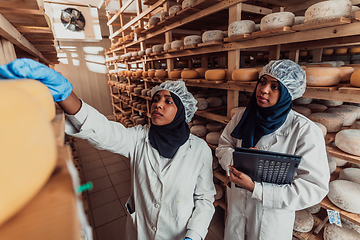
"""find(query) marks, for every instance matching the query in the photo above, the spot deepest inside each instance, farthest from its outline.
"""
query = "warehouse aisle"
(110, 174)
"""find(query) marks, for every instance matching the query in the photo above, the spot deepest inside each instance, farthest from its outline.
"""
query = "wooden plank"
(149, 2)
(24, 17)
(349, 90)
(321, 24)
(190, 46)
(327, 204)
(10, 33)
(212, 82)
(36, 30)
(336, 152)
(211, 43)
(255, 9)
(272, 32)
(22, 4)
(202, 4)
(238, 38)
(122, 9)
(8, 49)
(186, 12)
(151, 29)
(213, 116)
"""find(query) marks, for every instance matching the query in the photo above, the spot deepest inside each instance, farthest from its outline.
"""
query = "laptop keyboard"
(272, 171)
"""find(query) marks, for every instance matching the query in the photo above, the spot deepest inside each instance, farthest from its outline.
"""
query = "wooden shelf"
(336, 152)
(355, 218)
(321, 24)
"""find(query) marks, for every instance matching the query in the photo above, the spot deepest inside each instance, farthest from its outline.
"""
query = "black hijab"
(168, 138)
(257, 121)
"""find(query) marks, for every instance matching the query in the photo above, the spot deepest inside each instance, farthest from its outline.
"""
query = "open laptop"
(265, 166)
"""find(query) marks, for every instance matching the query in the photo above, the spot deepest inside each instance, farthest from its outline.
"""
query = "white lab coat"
(269, 212)
(166, 202)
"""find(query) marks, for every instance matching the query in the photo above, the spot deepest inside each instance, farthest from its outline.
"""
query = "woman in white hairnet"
(171, 169)
(261, 210)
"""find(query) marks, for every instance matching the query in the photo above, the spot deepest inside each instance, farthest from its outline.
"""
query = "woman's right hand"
(59, 86)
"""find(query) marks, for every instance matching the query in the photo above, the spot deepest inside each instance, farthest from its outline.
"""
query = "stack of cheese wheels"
(212, 35)
(134, 54)
(351, 225)
(200, 121)
(189, 74)
(302, 110)
(201, 72)
(348, 141)
(241, 27)
(192, 40)
(355, 78)
(277, 20)
(215, 74)
(245, 74)
(28, 150)
(304, 221)
(214, 127)
(340, 50)
(332, 122)
(350, 174)
(355, 49)
(345, 195)
(322, 77)
(163, 15)
(328, 10)
(334, 232)
(349, 116)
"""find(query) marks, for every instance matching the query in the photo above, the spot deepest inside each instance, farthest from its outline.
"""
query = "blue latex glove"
(59, 86)
(187, 238)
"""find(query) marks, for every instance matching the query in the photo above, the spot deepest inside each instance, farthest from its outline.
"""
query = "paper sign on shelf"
(334, 217)
(145, 59)
(135, 37)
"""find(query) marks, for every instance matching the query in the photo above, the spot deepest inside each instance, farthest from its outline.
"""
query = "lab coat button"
(157, 205)
(154, 229)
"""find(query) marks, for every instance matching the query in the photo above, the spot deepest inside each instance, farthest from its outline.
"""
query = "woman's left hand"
(241, 179)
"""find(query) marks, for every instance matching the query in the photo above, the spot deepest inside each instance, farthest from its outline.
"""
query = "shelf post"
(294, 55)
(274, 52)
(317, 55)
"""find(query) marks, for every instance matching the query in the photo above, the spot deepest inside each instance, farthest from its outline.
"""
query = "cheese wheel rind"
(350, 174)
(345, 195)
(304, 221)
(334, 232)
(328, 10)
(277, 20)
(322, 76)
(215, 74)
(332, 122)
(348, 141)
(245, 74)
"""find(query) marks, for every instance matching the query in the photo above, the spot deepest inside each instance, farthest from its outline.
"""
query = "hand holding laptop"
(241, 179)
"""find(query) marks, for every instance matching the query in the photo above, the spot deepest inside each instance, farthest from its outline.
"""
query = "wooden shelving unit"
(210, 15)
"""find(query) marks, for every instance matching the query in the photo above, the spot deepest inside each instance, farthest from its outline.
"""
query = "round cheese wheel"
(190, 124)
(340, 50)
(189, 74)
(350, 225)
(138, 90)
(330, 103)
(236, 110)
(134, 54)
(28, 147)
(138, 30)
(201, 95)
(202, 104)
(345, 195)
(328, 51)
(214, 101)
(355, 78)
(175, 74)
(160, 74)
(167, 46)
(356, 125)
(145, 74)
(332, 165)
(302, 100)
(322, 127)
(174, 9)
(346, 73)
(219, 192)
(188, 3)
(192, 40)
(339, 162)
(352, 107)
(198, 130)
(315, 107)
(314, 209)
(322, 77)
(277, 20)
(151, 73)
(163, 15)
(37, 90)
(355, 49)
(141, 53)
(148, 51)
(212, 35)
(350, 174)
(153, 21)
(302, 110)
(177, 44)
(201, 72)
(215, 74)
(334, 232)
(214, 127)
(349, 116)
(245, 74)
(144, 92)
(200, 121)
(138, 73)
(348, 141)
(332, 122)
(241, 27)
(213, 138)
(157, 48)
(328, 10)
(304, 221)
(299, 20)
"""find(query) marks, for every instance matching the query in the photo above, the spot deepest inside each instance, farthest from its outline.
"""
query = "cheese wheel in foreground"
(332, 122)
(328, 10)
(355, 78)
(37, 90)
(198, 130)
(315, 107)
(348, 140)
(213, 138)
(345, 195)
(349, 116)
(334, 232)
(189, 74)
(304, 221)
(175, 74)
(322, 77)
(277, 20)
(245, 74)
(215, 74)
(201, 72)
(350, 174)
(27, 149)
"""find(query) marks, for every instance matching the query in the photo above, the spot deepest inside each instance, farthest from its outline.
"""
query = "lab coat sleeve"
(227, 144)
(203, 196)
(311, 183)
(103, 134)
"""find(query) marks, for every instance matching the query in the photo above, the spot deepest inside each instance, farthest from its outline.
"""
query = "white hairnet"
(179, 89)
(289, 73)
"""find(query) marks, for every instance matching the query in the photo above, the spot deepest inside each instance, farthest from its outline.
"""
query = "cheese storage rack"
(340, 32)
